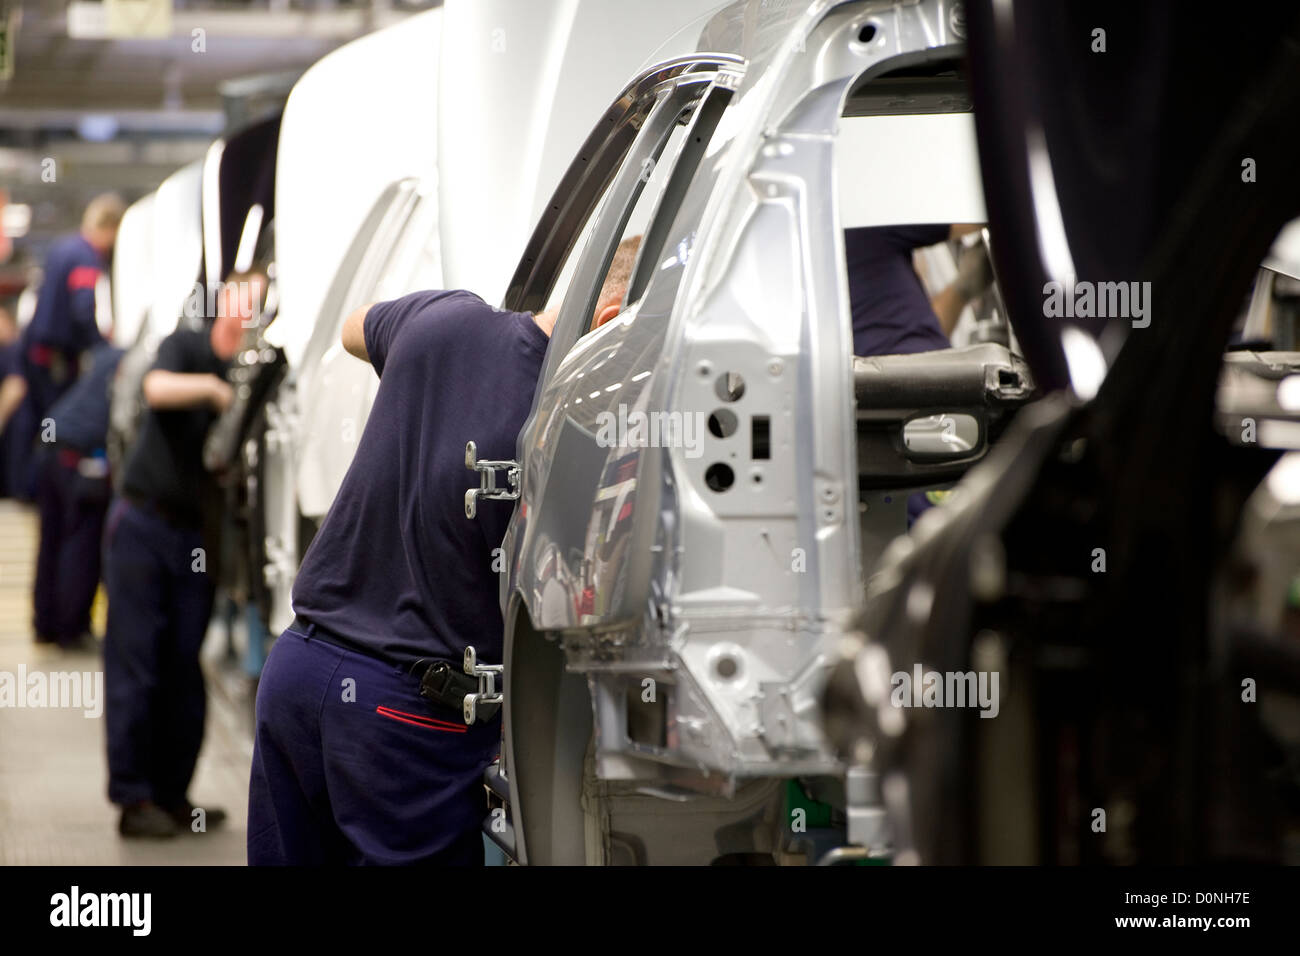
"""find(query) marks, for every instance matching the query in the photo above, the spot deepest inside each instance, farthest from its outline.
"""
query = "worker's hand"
(974, 272)
(222, 394)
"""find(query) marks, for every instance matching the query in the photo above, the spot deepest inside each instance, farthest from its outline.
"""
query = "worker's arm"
(372, 331)
(164, 389)
(81, 305)
(973, 276)
(13, 389)
(354, 333)
(948, 306)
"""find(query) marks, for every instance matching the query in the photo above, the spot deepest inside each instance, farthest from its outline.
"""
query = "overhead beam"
(88, 20)
(202, 122)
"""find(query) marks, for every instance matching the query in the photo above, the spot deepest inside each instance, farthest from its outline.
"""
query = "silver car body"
(684, 629)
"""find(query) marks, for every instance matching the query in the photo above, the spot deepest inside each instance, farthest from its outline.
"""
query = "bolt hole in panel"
(730, 387)
(723, 423)
(719, 477)
(726, 663)
(748, 441)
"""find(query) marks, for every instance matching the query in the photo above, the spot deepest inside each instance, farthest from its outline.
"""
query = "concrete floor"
(53, 772)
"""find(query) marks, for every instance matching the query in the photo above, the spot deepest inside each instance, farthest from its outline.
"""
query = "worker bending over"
(351, 764)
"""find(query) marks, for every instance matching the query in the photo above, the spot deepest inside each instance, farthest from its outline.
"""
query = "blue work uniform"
(160, 594)
(17, 435)
(72, 499)
(350, 764)
(891, 311)
(63, 325)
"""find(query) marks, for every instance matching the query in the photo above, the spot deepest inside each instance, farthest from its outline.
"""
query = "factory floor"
(53, 770)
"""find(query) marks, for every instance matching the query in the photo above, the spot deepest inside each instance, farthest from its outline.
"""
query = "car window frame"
(605, 180)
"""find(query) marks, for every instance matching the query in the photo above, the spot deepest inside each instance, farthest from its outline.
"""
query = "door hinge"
(488, 700)
(487, 471)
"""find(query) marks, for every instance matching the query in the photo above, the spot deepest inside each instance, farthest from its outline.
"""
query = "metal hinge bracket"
(488, 696)
(487, 471)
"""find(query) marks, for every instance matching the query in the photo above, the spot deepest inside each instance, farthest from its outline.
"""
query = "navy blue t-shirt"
(891, 311)
(14, 436)
(11, 360)
(397, 570)
(65, 308)
(164, 467)
(81, 415)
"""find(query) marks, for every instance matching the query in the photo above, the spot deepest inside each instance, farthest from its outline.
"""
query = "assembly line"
(597, 432)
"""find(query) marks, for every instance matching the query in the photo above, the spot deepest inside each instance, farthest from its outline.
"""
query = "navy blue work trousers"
(159, 602)
(72, 508)
(351, 766)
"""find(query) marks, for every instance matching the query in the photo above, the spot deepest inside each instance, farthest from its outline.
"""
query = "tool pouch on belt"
(91, 485)
(445, 686)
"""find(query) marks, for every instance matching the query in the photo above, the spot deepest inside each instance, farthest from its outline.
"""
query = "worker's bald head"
(239, 307)
(617, 279)
(100, 220)
(612, 291)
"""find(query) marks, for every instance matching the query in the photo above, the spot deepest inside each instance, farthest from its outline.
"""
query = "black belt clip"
(445, 686)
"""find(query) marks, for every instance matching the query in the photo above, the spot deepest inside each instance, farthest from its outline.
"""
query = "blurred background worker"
(63, 327)
(13, 395)
(72, 494)
(160, 592)
(892, 314)
(64, 324)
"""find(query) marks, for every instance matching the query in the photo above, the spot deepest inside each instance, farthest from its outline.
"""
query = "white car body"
(157, 258)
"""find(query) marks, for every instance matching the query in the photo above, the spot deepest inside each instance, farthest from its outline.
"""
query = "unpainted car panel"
(750, 585)
(725, 604)
(562, 440)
